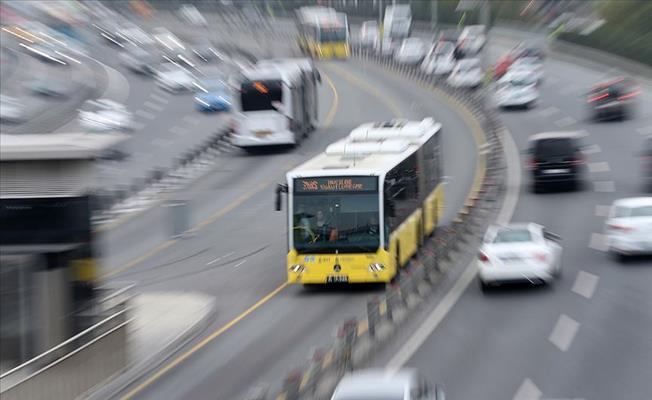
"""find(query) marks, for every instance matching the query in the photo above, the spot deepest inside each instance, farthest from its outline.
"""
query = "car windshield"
(553, 147)
(641, 211)
(326, 222)
(522, 81)
(259, 95)
(513, 236)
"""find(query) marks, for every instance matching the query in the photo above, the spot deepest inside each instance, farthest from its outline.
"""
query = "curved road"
(237, 253)
(588, 335)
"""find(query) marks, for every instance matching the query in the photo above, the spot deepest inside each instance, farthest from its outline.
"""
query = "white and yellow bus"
(360, 210)
(323, 32)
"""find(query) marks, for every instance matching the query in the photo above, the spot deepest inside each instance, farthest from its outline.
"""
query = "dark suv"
(556, 158)
(612, 99)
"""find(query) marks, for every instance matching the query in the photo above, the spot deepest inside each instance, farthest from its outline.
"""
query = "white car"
(412, 51)
(519, 253)
(11, 110)
(467, 74)
(174, 78)
(440, 60)
(104, 115)
(629, 227)
(529, 65)
(192, 15)
(472, 39)
(377, 384)
(369, 34)
(517, 91)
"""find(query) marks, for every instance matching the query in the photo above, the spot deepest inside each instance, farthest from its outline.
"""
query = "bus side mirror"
(280, 188)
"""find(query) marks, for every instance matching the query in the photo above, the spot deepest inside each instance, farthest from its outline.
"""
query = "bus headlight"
(297, 268)
(376, 267)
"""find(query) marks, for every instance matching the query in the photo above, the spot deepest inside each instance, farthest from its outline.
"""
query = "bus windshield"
(342, 222)
(332, 35)
(259, 95)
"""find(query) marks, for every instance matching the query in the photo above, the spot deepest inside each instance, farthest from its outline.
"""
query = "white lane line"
(585, 284)
(548, 112)
(604, 186)
(240, 263)
(602, 211)
(220, 257)
(504, 216)
(598, 242)
(593, 149)
(145, 114)
(566, 121)
(178, 130)
(159, 98)
(191, 119)
(646, 130)
(599, 167)
(154, 106)
(564, 332)
(527, 391)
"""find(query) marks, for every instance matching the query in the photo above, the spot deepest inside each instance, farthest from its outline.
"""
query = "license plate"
(556, 171)
(337, 279)
(263, 133)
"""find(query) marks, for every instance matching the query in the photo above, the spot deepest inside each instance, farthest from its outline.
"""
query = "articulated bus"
(323, 32)
(360, 210)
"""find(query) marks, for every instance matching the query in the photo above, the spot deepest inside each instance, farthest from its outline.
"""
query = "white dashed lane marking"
(602, 211)
(585, 284)
(564, 122)
(646, 130)
(598, 242)
(154, 106)
(547, 112)
(604, 186)
(593, 149)
(564, 332)
(178, 130)
(158, 98)
(527, 391)
(145, 114)
(599, 167)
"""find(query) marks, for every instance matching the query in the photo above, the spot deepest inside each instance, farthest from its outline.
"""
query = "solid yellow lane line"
(328, 120)
(178, 360)
(367, 88)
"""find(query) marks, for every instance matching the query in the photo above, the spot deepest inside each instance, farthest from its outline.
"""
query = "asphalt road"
(587, 336)
(238, 253)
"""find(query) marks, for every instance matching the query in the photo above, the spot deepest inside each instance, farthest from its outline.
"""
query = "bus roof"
(304, 63)
(321, 16)
(370, 149)
(286, 72)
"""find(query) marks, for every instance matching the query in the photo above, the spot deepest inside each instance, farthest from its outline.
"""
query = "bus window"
(332, 35)
(259, 95)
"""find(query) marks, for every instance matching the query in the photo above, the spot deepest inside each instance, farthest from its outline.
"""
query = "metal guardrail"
(357, 338)
(75, 365)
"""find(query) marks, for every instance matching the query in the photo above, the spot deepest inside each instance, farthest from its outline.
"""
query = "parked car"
(375, 384)
(472, 39)
(519, 252)
(466, 74)
(412, 51)
(555, 158)
(104, 115)
(629, 227)
(612, 99)
(440, 59)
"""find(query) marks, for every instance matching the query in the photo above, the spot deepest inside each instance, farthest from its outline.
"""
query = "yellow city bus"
(360, 210)
(323, 33)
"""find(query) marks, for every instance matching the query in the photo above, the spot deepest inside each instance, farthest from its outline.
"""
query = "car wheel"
(484, 286)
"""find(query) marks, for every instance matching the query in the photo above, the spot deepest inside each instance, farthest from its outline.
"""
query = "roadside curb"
(141, 368)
